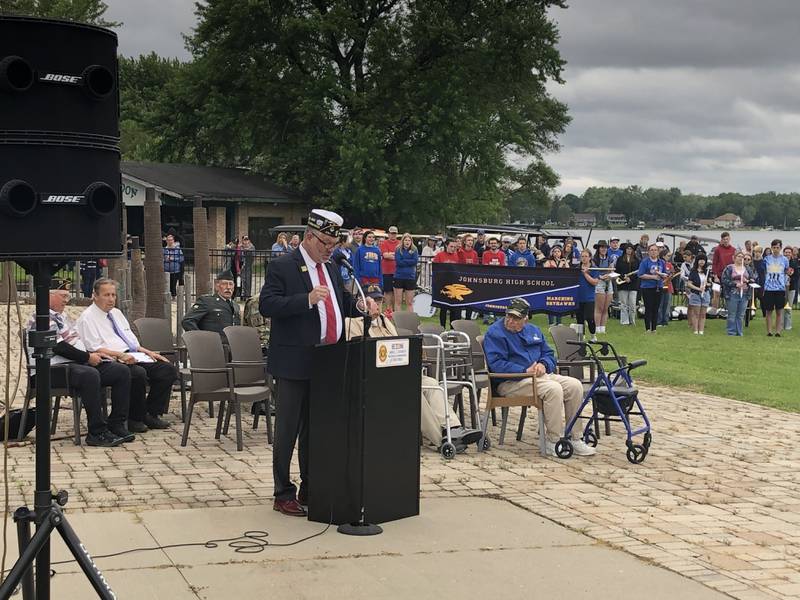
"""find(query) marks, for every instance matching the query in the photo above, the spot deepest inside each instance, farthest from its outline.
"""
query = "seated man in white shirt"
(105, 329)
(89, 373)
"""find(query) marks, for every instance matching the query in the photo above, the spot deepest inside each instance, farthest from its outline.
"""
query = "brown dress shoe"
(290, 508)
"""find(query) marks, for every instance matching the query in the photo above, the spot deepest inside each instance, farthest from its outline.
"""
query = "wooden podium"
(364, 437)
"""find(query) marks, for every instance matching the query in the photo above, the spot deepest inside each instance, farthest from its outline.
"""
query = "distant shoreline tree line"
(672, 206)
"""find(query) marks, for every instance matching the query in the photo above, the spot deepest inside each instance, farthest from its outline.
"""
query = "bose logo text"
(64, 200)
(58, 78)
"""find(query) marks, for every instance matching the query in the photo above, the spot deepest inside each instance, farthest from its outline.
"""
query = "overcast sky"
(704, 96)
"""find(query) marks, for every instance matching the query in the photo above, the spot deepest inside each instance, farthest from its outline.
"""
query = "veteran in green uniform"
(215, 312)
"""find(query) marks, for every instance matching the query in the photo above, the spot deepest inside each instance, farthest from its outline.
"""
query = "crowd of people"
(625, 279)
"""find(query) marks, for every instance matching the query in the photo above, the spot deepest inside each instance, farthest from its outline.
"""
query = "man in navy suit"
(305, 298)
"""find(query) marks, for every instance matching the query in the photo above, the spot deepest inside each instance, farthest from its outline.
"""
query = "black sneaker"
(155, 423)
(137, 426)
(105, 439)
(121, 432)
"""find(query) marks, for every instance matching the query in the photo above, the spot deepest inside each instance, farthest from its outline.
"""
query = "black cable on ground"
(250, 542)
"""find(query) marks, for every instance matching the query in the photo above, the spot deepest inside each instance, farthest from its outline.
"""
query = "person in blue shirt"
(776, 268)
(652, 273)
(614, 250)
(522, 256)
(173, 263)
(406, 258)
(587, 288)
(367, 262)
(514, 345)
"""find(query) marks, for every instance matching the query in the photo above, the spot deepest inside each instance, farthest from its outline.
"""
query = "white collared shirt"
(96, 330)
(323, 317)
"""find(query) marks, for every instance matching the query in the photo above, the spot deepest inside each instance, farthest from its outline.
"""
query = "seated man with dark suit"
(305, 297)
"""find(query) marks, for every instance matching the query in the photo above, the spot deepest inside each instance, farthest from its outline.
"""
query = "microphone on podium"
(340, 260)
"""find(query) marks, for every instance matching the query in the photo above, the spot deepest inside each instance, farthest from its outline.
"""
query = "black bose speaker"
(59, 141)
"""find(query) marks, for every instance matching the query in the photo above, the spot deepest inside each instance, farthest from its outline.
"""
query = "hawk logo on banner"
(456, 291)
(490, 288)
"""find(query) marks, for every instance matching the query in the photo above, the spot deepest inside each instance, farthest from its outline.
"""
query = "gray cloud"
(697, 95)
(152, 26)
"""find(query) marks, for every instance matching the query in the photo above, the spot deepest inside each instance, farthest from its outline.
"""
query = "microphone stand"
(361, 527)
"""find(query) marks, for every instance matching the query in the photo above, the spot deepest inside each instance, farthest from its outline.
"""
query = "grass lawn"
(754, 368)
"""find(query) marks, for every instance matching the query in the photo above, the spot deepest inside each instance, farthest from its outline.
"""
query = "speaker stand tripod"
(47, 513)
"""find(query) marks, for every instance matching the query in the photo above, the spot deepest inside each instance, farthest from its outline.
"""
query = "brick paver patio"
(717, 500)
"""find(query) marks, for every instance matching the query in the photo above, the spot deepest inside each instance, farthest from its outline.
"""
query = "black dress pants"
(291, 423)
(88, 382)
(652, 299)
(160, 376)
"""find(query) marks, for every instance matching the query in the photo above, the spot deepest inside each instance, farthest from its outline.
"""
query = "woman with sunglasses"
(281, 245)
(699, 297)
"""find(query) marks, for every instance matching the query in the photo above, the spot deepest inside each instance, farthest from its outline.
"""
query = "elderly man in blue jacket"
(515, 346)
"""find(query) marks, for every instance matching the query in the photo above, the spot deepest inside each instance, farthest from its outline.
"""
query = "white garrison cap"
(325, 221)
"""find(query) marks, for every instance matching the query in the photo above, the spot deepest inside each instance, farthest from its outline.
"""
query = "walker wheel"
(448, 450)
(563, 448)
(486, 444)
(636, 453)
(648, 438)
(590, 438)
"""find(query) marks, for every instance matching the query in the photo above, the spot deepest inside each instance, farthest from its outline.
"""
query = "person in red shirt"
(448, 255)
(388, 264)
(492, 255)
(722, 257)
(468, 255)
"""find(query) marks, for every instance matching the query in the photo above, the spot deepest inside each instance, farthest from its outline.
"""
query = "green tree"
(141, 82)
(387, 110)
(81, 11)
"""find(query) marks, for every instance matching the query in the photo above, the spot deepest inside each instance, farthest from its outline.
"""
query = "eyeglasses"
(328, 245)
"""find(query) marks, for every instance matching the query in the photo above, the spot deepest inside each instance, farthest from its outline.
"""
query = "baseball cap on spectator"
(614, 239)
(481, 232)
(373, 291)
(518, 307)
(393, 229)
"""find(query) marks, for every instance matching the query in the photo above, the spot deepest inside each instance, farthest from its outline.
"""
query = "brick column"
(242, 219)
(216, 227)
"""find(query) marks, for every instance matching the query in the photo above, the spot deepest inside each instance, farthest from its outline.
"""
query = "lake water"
(738, 236)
